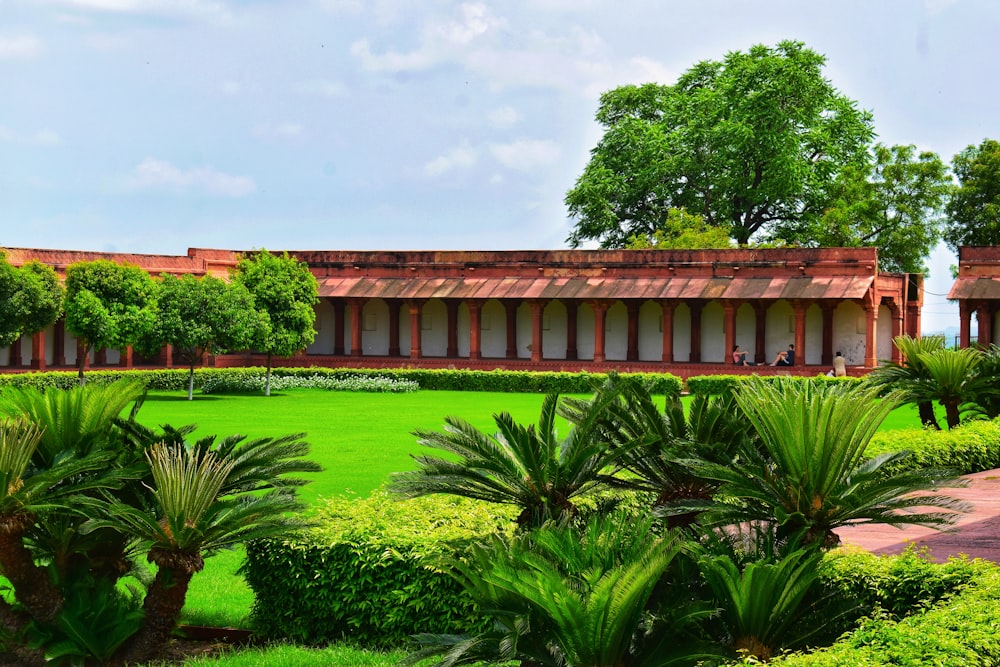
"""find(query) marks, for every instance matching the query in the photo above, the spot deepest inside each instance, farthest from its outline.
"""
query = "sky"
(154, 126)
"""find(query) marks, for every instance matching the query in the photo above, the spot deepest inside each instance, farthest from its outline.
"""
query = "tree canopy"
(31, 298)
(108, 305)
(893, 202)
(974, 207)
(749, 143)
(201, 315)
(284, 291)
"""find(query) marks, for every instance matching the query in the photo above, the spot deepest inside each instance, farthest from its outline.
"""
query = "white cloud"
(440, 41)
(106, 43)
(526, 154)
(153, 173)
(459, 157)
(505, 116)
(207, 9)
(23, 47)
(46, 138)
(321, 87)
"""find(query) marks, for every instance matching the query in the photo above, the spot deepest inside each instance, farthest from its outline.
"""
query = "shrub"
(718, 385)
(255, 383)
(972, 447)
(368, 572)
(959, 631)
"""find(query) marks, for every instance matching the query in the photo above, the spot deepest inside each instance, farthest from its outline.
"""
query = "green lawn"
(358, 438)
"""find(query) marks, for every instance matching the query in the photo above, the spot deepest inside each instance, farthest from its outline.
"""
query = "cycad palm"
(952, 380)
(526, 466)
(652, 443)
(907, 376)
(194, 519)
(558, 597)
(810, 473)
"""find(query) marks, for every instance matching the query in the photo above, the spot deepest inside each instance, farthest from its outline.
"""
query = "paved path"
(976, 534)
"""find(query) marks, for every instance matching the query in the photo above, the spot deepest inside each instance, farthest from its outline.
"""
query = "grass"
(358, 438)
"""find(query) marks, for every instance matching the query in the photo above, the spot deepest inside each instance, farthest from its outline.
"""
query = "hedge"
(960, 631)
(368, 572)
(175, 379)
(972, 447)
(717, 385)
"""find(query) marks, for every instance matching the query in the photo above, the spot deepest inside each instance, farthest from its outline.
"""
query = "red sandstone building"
(680, 311)
(977, 291)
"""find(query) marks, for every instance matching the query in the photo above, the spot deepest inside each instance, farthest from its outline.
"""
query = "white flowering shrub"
(255, 383)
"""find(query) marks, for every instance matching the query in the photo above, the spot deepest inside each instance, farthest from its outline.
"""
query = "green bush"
(717, 385)
(959, 631)
(972, 447)
(175, 379)
(367, 573)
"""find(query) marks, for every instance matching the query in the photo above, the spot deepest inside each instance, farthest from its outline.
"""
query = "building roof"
(975, 288)
(579, 288)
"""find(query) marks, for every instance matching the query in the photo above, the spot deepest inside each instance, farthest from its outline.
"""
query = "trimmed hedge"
(367, 573)
(972, 447)
(960, 631)
(175, 379)
(717, 385)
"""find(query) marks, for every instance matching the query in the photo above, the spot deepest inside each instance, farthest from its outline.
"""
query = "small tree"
(974, 207)
(108, 305)
(205, 315)
(31, 299)
(284, 290)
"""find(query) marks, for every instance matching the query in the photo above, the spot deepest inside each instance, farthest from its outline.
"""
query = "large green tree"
(893, 203)
(205, 315)
(31, 298)
(108, 305)
(284, 290)
(748, 143)
(974, 207)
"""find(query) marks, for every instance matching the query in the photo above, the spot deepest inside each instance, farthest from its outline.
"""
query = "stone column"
(59, 343)
(827, 354)
(729, 329)
(964, 323)
(475, 329)
(38, 351)
(451, 308)
(696, 308)
(571, 324)
(15, 354)
(984, 318)
(799, 308)
(760, 332)
(897, 330)
(632, 350)
(668, 308)
(510, 308)
(394, 306)
(416, 309)
(338, 326)
(871, 335)
(357, 307)
(600, 310)
(537, 321)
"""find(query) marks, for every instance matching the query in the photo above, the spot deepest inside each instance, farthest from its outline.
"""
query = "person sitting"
(740, 357)
(785, 357)
(839, 366)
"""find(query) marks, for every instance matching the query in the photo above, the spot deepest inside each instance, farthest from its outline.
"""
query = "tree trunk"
(162, 609)
(927, 417)
(951, 413)
(32, 586)
(267, 381)
(191, 384)
(13, 622)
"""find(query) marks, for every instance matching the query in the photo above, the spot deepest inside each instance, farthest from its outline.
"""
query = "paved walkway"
(976, 534)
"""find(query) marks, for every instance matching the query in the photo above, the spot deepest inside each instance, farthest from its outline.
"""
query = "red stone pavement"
(976, 533)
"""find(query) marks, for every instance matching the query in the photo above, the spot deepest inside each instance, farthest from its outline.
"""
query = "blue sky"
(156, 125)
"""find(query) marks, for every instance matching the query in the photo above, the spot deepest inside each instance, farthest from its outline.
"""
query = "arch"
(713, 333)
(616, 332)
(554, 330)
(883, 334)
(375, 328)
(434, 329)
(746, 329)
(849, 332)
(650, 331)
(585, 331)
(325, 322)
(779, 329)
(493, 323)
(814, 335)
